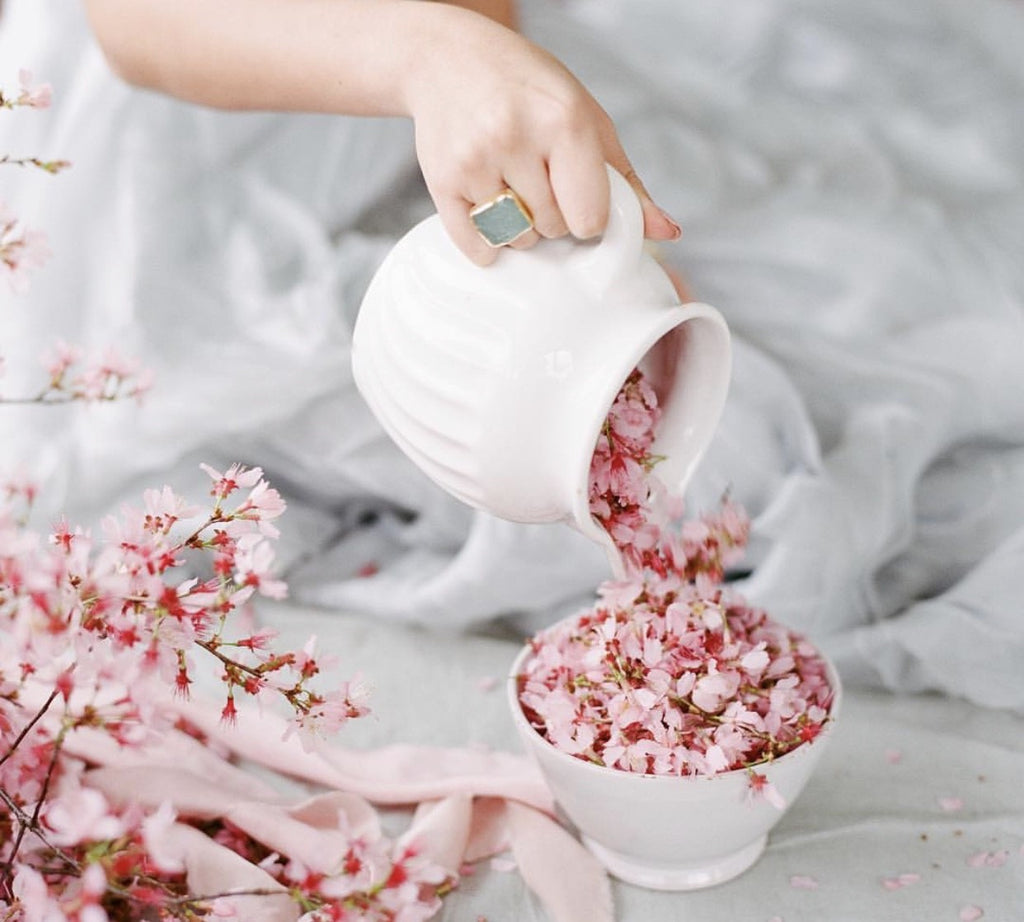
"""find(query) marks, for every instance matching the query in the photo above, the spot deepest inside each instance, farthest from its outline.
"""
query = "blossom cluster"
(669, 673)
(101, 635)
(116, 868)
(71, 376)
(674, 682)
(101, 638)
(377, 880)
(30, 94)
(21, 250)
(643, 519)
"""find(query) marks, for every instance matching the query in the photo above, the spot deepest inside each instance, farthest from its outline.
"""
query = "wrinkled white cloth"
(849, 176)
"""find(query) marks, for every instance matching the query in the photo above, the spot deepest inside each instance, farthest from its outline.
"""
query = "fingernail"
(677, 231)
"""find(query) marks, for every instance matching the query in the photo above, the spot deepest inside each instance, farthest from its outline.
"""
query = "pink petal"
(898, 883)
(893, 756)
(971, 913)
(988, 859)
(803, 882)
(950, 804)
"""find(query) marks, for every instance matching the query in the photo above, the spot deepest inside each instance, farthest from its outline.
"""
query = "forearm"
(490, 108)
(503, 11)
(353, 57)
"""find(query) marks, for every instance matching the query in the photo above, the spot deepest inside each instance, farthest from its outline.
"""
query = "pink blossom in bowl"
(651, 820)
(678, 682)
(673, 721)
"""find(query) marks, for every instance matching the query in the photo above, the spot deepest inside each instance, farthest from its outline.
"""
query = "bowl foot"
(668, 876)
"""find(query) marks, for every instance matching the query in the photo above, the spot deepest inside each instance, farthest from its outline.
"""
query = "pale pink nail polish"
(677, 231)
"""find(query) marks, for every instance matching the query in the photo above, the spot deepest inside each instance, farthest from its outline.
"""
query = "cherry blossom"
(761, 788)
(900, 881)
(987, 859)
(30, 94)
(155, 828)
(21, 250)
(79, 815)
(37, 96)
(325, 714)
(234, 478)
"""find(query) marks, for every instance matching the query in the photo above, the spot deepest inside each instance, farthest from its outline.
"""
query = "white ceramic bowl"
(495, 381)
(669, 833)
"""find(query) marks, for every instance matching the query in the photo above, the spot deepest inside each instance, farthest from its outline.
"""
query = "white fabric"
(849, 175)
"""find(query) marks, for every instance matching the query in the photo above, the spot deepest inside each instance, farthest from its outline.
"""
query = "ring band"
(502, 220)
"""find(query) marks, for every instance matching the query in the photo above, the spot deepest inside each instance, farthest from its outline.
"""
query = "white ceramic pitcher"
(496, 381)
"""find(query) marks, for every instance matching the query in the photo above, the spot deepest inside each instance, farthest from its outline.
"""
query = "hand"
(492, 110)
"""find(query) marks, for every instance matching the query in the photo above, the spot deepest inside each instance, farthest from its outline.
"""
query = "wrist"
(440, 42)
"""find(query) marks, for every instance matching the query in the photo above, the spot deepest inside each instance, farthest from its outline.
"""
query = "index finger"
(579, 181)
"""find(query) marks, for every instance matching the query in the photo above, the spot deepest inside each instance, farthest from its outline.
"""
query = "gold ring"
(502, 220)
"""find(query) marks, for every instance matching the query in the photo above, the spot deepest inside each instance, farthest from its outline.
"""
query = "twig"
(34, 820)
(48, 166)
(28, 727)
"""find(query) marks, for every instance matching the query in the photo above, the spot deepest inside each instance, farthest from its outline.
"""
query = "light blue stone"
(502, 220)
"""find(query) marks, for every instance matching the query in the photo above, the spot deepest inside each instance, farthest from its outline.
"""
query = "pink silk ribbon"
(471, 804)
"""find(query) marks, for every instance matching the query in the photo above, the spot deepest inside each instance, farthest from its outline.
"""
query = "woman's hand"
(492, 110)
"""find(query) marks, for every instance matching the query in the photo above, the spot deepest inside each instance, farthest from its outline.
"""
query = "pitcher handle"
(618, 251)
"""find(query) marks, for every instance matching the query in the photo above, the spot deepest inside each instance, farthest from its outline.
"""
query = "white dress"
(849, 175)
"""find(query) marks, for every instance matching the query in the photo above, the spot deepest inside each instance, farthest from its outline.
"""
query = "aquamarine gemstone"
(502, 220)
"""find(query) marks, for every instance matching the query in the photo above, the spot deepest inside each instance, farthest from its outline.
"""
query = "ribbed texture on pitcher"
(425, 369)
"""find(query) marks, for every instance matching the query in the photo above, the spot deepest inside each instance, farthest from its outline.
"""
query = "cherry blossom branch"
(35, 96)
(114, 622)
(22, 817)
(28, 727)
(778, 747)
(33, 822)
(24, 820)
(22, 249)
(105, 379)
(189, 904)
(47, 166)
